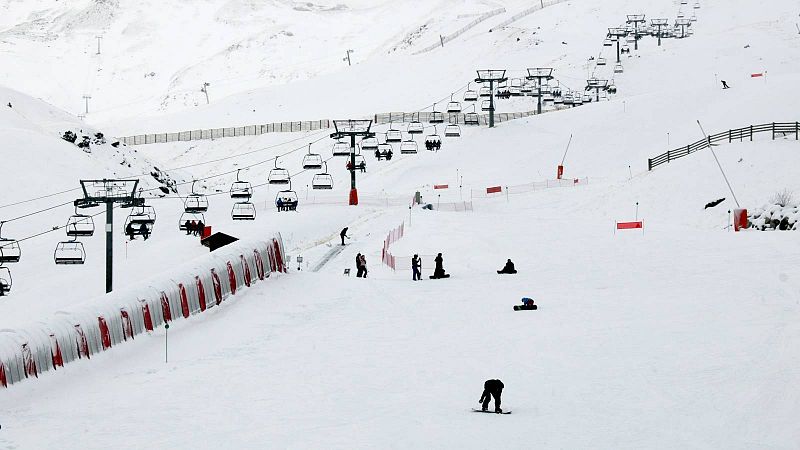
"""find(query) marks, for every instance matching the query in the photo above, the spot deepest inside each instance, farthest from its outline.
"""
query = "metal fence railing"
(740, 134)
(526, 12)
(462, 30)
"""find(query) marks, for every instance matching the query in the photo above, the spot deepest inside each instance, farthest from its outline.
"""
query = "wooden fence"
(778, 129)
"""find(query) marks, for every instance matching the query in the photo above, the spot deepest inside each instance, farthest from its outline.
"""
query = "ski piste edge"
(489, 411)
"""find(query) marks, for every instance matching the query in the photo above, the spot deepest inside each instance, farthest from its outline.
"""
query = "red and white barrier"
(636, 225)
(105, 322)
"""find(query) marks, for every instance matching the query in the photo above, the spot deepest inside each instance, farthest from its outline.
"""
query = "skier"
(343, 234)
(491, 388)
(364, 266)
(725, 85)
(438, 272)
(509, 268)
(416, 267)
(359, 268)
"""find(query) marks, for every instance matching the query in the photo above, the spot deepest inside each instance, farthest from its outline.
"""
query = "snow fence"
(112, 319)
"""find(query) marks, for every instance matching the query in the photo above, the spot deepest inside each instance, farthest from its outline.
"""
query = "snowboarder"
(438, 272)
(491, 388)
(509, 268)
(363, 266)
(343, 234)
(725, 85)
(359, 268)
(416, 267)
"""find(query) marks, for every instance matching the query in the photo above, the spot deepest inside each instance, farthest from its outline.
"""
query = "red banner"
(440, 186)
(629, 225)
(756, 75)
(739, 219)
(494, 189)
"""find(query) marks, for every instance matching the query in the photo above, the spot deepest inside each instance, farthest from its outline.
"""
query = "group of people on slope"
(438, 271)
(194, 228)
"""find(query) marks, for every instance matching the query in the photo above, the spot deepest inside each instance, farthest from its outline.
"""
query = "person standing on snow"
(416, 267)
(725, 85)
(359, 268)
(343, 234)
(491, 388)
(363, 266)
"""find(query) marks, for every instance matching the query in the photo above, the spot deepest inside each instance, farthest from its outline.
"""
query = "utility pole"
(347, 58)
(352, 128)
(110, 192)
(617, 34)
(86, 98)
(98, 43)
(492, 76)
(204, 90)
(539, 74)
(636, 19)
(659, 23)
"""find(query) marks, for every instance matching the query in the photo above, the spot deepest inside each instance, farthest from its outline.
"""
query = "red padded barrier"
(184, 301)
(201, 293)
(148, 319)
(82, 343)
(105, 334)
(166, 311)
(127, 325)
(55, 352)
(232, 278)
(217, 286)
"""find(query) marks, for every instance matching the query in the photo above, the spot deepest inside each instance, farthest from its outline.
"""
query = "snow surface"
(682, 336)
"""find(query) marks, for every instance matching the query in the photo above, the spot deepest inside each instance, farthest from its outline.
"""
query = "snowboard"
(439, 278)
(524, 308)
(490, 411)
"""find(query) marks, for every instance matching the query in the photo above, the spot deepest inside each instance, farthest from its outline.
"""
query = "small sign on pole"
(494, 189)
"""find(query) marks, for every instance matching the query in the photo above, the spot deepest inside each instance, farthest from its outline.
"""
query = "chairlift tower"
(352, 128)
(683, 23)
(491, 76)
(617, 34)
(659, 24)
(110, 192)
(636, 20)
(597, 85)
(539, 74)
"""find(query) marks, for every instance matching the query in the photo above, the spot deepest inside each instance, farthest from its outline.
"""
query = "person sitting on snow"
(509, 268)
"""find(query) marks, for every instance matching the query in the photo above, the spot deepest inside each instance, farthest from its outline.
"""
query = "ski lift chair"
(195, 203)
(485, 92)
(10, 251)
(601, 61)
(340, 149)
(436, 116)
(415, 127)
(516, 82)
(486, 105)
(323, 180)
(79, 225)
(243, 211)
(5, 281)
(190, 217)
(312, 160)
(433, 142)
(618, 68)
(453, 107)
(287, 200)
(408, 147)
(278, 175)
(471, 118)
(140, 222)
(393, 135)
(69, 253)
(607, 42)
(452, 130)
(470, 96)
(368, 145)
(384, 151)
(241, 189)
(515, 91)
(697, 5)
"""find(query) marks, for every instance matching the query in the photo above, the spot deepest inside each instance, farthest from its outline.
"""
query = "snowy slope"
(684, 336)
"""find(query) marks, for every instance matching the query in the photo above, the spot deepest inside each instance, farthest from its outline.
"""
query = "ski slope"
(680, 336)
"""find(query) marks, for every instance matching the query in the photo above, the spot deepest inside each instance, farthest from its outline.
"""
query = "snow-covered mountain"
(681, 334)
